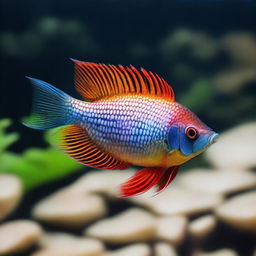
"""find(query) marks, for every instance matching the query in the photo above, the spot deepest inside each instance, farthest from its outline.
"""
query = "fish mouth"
(205, 141)
(213, 138)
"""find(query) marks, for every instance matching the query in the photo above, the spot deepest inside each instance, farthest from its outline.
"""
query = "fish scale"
(129, 131)
(129, 116)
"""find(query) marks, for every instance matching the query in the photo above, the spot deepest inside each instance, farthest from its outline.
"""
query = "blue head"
(187, 134)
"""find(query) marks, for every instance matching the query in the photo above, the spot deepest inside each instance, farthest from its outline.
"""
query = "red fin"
(142, 181)
(77, 144)
(167, 178)
(96, 81)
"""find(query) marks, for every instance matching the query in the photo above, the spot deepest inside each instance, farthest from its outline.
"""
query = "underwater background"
(206, 50)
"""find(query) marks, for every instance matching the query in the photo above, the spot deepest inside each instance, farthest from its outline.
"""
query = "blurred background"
(206, 50)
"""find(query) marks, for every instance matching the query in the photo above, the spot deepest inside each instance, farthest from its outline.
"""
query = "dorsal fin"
(97, 81)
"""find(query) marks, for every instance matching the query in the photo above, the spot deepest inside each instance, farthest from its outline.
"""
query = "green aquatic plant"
(200, 96)
(35, 166)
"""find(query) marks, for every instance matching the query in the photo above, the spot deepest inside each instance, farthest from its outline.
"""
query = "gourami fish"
(129, 117)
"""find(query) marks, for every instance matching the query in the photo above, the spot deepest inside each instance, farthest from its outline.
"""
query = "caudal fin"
(50, 107)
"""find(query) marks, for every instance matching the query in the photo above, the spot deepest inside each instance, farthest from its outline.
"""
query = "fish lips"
(204, 141)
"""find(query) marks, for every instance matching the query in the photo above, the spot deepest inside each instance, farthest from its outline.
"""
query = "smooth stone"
(131, 250)
(69, 208)
(164, 249)
(10, 194)
(239, 211)
(179, 201)
(235, 148)
(17, 236)
(132, 225)
(221, 252)
(202, 226)
(172, 229)
(66, 244)
(102, 181)
(217, 181)
(50, 252)
(53, 252)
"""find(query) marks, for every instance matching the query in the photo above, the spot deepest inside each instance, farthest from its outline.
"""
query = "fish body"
(132, 127)
(131, 119)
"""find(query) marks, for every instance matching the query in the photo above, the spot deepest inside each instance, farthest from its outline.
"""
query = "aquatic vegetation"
(34, 41)
(193, 98)
(221, 68)
(35, 166)
(209, 59)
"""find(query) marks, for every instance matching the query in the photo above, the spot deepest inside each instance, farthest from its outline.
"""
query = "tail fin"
(50, 107)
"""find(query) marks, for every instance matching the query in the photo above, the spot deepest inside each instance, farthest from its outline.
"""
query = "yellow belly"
(161, 159)
(146, 161)
(176, 158)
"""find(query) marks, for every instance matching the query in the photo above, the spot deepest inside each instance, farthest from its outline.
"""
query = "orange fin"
(76, 143)
(97, 81)
(167, 178)
(142, 181)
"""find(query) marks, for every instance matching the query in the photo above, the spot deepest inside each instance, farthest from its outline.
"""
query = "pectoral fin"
(76, 143)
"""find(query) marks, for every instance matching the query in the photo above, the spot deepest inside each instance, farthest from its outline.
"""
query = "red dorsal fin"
(142, 181)
(76, 143)
(97, 81)
(167, 178)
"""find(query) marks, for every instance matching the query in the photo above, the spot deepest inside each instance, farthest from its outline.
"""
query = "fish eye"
(191, 132)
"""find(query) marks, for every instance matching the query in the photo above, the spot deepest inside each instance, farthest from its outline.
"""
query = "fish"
(128, 117)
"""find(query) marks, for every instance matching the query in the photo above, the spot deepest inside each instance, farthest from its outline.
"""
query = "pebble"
(164, 249)
(69, 208)
(50, 252)
(221, 252)
(17, 236)
(129, 226)
(179, 201)
(202, 226)
(239, 211)
(233, 153)
(68, 245)
(131, 250)
(102, 181)
(10, 194)
(172, 229)
(217, 181)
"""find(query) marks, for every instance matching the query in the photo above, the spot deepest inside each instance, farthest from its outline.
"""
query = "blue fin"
(50, 107)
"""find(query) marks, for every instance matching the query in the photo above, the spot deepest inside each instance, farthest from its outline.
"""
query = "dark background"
(37, 38)
(205, 49)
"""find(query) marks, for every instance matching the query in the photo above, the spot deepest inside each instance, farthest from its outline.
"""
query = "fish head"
(187, 135)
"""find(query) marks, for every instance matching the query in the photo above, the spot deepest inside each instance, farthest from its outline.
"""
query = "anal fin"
(76, 143)
(167, 178)
(142, 181)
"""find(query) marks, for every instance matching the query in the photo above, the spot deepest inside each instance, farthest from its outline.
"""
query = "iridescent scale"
(132, 128)
(129, 117)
